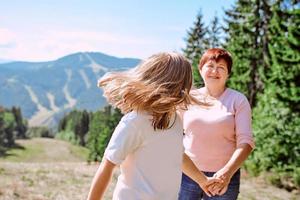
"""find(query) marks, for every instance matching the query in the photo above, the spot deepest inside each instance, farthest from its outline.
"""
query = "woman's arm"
(244, 142)
(235, 162)
(189, 168)
(101, 180)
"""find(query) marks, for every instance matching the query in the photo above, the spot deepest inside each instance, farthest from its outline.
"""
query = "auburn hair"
(159, 85)
(216, 54)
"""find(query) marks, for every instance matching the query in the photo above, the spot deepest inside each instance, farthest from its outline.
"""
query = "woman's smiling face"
(214, 73)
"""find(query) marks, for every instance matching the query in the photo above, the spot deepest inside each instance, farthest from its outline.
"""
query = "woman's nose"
(214, 70)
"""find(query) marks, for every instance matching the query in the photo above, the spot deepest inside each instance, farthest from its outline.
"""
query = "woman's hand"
(207, 182)
(189, 168)
(217, 188)
(220, 188)
(236, 160)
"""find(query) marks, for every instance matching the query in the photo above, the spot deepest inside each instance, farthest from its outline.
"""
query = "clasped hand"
(216, 185)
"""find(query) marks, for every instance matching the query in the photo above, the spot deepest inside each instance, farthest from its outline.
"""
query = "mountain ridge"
(47, 90)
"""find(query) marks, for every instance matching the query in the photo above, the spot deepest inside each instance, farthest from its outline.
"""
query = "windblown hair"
(158, 86)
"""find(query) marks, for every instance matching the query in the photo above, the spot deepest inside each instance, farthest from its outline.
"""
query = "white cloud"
(38, 45)
(58, 43)
(7, 37)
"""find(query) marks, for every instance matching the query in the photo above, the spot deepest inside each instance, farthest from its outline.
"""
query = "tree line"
(12, 126)
(89, 129)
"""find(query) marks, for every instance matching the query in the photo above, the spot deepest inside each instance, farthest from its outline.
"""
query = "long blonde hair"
(158, 86)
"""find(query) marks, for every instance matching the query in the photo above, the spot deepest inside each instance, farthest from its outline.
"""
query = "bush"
(277, 136)
(39, 132)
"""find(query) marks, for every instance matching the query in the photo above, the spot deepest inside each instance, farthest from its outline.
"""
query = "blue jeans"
(190, 190)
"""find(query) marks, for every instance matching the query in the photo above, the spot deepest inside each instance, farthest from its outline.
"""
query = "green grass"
(79, 151)
(29, 181)
(2, 170)
(23, 154)
(45, 150)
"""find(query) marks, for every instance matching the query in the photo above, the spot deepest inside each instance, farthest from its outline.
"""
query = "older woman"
(218, 138)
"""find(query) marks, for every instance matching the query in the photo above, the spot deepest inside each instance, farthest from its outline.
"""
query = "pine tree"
(62, 124)
(263, 37)
(214, 33)
(2, 133)
(9, 129)
(196, 44)
(277, 115)
(21, 127)
(101, 129)
(247, 41)
(95, 144)
(82, 127)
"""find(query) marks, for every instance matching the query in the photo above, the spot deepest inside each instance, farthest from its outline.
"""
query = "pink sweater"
(213, 134)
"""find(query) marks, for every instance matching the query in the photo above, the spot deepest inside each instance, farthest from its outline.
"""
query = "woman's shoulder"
(237, 98)
(200, 90)
(198, 93)
(135, 117)
(236, 94)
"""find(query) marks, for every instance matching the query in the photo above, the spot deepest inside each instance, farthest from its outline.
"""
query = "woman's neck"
(215, 92)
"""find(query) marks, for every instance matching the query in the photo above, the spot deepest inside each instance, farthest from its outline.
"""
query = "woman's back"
(150, 159)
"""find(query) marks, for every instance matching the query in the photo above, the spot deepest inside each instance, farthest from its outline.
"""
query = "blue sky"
(43, 30)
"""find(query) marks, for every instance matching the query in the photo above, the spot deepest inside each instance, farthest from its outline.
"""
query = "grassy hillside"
(48, 169)
(45, 150)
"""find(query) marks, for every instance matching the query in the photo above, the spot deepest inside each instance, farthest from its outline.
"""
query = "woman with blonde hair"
(147, 143)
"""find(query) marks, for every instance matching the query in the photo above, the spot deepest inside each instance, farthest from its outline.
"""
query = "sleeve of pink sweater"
(243, 123)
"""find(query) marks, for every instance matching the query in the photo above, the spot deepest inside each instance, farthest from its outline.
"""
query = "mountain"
(5, 61)
(47, 90)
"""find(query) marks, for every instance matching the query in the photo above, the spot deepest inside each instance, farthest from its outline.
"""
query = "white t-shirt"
(150, 161)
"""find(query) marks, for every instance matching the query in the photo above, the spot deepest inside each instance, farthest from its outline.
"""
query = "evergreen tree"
(196, 44)
(82, 127)
(62, 124)
(2, 133)
(9, 129)
(101, 129)
(214, 33)
(284, 45)
(116, 117)
(95, 129)
(247, 41)
(277, 115)
(39, 131)
(73, 127)
(21, 127)
(263, 37)
(11, 126)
